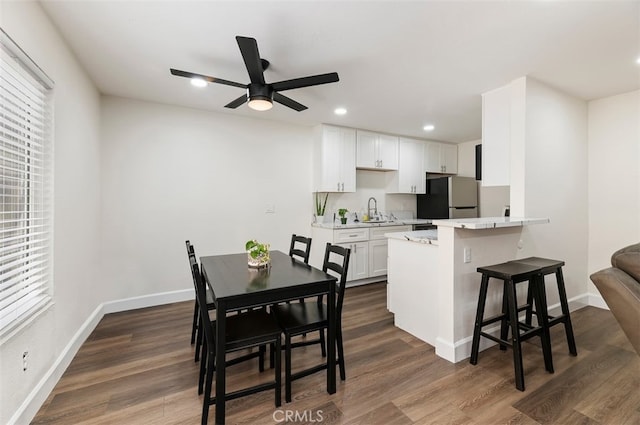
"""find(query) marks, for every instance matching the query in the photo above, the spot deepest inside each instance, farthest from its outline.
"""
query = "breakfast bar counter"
(432, 279)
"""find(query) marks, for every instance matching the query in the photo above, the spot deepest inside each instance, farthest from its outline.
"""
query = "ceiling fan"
(261, 94)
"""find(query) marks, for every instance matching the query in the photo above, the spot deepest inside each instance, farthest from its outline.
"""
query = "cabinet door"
(449, 158)
(378, 257)
(334, 159)
(432, 157)
(387, 152)
(347, 159)
(366, 155)
(410, 177)
(358, 260)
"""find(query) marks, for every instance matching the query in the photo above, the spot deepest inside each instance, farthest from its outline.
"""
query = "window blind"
(25, 187)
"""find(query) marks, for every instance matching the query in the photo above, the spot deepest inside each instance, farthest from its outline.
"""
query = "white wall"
(172, 173)
(370, 184)
(76, 209)
(614, 177)
(555, 181)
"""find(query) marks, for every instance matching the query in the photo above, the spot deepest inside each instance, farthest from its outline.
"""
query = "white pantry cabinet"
(440, 158)
(410, 177)
(376, 151)
(334, 159)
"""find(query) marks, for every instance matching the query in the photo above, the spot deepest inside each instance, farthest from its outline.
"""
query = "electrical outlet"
(270, 209)
(25, 356)
(467, 255)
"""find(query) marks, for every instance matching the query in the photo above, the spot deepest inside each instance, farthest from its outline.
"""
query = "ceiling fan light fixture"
(260, 103)
(260, 97)
(198, 82)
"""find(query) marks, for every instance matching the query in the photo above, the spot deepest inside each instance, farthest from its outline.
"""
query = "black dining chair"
(196, 334)
(254, 328)
(308, 316)
(300, 248)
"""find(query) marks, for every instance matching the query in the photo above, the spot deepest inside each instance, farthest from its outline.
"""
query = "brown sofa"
(620, 288)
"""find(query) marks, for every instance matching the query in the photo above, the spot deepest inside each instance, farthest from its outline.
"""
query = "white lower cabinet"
(358, 261)
(378, 258)
(368, 260)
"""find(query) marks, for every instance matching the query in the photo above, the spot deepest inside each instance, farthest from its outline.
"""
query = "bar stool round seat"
(512, 273)
(548, 266)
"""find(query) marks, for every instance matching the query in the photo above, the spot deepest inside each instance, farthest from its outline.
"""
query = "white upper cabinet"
(410, 177)
(334, 159)
(376, 151)
(440, 158)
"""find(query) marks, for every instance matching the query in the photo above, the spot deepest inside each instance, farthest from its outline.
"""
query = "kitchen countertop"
(489, 222)
(421, 236)
(351, 225)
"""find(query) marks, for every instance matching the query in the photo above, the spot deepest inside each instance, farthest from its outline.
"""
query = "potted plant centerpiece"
(320, 206)
(257, 254)
(341, 213)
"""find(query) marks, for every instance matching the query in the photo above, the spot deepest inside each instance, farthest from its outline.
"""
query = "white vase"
(319, 219)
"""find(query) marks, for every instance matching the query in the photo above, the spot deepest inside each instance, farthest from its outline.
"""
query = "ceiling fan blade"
(313, 80)
(235, 103)
(249, 50)
(284, 100)
(186, 74)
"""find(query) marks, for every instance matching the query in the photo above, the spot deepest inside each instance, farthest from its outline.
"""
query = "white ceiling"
(401, 64)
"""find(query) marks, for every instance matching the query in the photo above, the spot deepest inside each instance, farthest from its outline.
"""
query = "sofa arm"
(622, 294)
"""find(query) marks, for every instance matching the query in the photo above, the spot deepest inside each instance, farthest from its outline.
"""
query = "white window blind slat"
(16, 292)
(25, 188)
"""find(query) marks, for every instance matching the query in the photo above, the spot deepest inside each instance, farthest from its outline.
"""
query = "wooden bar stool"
(548, 266)
(511, 274)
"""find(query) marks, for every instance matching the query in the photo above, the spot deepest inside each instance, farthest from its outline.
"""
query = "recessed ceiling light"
(198, 82)
(340, 111)
(428, 127)
(638, 61)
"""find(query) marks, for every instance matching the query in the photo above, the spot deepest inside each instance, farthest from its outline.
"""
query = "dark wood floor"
(137, 368)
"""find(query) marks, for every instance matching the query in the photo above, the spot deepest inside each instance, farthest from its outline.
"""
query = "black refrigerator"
(449, 197)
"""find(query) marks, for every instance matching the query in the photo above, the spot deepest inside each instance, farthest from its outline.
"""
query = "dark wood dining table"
(235, 286)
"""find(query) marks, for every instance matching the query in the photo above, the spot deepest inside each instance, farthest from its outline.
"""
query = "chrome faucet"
(375, 207)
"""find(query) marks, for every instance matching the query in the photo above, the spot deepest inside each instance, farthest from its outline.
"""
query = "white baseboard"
(30, 406)
(148, 301)
(596, 300)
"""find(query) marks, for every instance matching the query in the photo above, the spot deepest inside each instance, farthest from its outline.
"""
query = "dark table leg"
(221, 322)
(331, 340)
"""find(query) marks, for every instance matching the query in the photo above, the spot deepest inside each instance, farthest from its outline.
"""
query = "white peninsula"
(433, 283)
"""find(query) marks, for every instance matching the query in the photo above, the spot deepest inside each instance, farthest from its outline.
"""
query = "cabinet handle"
(338, 186)
(343, 187)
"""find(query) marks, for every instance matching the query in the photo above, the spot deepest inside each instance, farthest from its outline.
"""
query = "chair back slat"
(300, 247)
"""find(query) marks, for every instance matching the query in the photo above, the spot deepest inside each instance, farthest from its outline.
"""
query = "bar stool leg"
(540, 296)
(512, 302)
(529, 310)
(504, 323)
(482, 298)
(568, 328)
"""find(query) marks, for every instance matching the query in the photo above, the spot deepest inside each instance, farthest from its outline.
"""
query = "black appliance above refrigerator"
(449, 197)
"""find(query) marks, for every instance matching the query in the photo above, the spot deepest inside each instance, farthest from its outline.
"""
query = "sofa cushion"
(628, 260)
